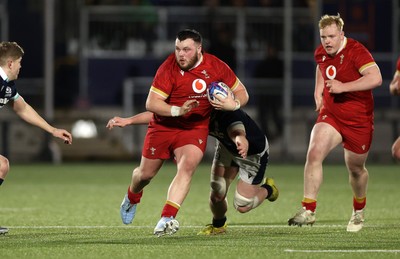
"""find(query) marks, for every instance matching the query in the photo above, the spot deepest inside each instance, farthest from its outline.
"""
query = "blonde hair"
(327, 20)
(10, 50)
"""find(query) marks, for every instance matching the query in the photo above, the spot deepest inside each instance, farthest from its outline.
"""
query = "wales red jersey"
(346, 66)
(398, 65)
(178, 86)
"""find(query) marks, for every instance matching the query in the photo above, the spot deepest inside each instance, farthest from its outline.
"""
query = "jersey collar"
(198, 62)
(3, 74)
(343, 45)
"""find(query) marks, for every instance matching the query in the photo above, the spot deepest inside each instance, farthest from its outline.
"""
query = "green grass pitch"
(72, 211)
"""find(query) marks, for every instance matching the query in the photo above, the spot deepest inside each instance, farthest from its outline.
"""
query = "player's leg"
(248, 196)
(252, 188)
(324, 138)
(223, 172)
(357, 143)
(220, 180)
(396, 149)
(188, 158)
(358, 178)
(4, 168)
(141, 177)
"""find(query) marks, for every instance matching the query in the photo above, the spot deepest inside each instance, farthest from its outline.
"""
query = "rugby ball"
(219, 89)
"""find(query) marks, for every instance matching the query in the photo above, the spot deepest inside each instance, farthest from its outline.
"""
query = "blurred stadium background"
(86, 61)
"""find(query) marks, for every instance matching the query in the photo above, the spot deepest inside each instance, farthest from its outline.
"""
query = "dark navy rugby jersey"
(8, 92)
(222, 120)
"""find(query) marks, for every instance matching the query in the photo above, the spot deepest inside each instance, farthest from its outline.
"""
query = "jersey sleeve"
(227, 75)
(163, 80)
(362, 57)
(398, 65)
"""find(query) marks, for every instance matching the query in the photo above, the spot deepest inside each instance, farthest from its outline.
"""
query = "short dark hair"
(190, 34)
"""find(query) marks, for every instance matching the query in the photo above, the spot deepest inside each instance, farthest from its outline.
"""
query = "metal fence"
(136, 39)
(122, 45)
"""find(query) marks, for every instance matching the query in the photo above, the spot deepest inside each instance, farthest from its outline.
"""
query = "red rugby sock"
(170, 209)
(134, 197)
(359, 203)
(309, 204)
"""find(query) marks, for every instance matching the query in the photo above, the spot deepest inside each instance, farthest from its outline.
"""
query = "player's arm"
(156, 103)
(142, 118)
(241, 94)
(319, 89)
(371, 78)
(237, 133)
(28, 114)
(394, 86)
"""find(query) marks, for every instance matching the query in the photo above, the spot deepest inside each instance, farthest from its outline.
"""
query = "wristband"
(237, 107)
(175, 111)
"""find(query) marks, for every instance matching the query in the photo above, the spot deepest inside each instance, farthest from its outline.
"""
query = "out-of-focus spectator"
(269, 101)
(221, 43)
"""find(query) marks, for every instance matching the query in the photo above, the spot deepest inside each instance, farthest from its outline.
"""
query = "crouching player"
(241, 149)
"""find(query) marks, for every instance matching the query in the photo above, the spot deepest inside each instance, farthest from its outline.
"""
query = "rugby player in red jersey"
(346, 73)
(179, 127)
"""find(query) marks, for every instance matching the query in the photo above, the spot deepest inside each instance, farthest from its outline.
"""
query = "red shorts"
(357, 137)
(160, 142)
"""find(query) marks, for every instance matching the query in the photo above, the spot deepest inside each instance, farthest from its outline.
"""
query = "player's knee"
(396, 149)
(218, 188)
(4, 166)
(396, 154)
(314, 155)
(243, 204)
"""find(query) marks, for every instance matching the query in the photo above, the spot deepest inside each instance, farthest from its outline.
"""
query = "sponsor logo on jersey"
(330, 72)
(199, 86)
(3, 101)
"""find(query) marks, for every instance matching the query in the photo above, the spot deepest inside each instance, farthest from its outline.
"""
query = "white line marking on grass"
(17, 209)
(192, 226)
(343, 251)
(78, 227)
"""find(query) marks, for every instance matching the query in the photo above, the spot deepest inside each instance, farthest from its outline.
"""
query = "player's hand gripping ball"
(219, 89)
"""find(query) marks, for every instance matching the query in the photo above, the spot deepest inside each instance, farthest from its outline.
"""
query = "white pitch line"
(17, 209)
(343, 251)
(77, 227)
(191, 226)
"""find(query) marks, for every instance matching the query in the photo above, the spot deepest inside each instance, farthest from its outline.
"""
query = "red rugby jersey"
(346, 66)
(178, 86)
